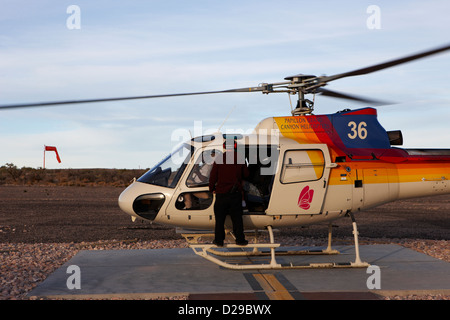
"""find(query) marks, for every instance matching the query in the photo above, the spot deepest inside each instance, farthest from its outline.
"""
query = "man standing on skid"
(225, 181)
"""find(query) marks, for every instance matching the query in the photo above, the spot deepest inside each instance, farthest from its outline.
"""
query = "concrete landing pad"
(141, 274)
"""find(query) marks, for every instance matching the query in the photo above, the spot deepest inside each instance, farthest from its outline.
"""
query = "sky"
(62, 50)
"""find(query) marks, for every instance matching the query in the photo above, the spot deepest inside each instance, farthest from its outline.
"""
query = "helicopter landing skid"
(209, 252)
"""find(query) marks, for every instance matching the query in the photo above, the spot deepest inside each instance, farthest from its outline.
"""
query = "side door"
(301, 180)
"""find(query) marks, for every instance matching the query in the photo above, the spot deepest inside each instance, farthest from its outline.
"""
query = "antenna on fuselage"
(231, 111)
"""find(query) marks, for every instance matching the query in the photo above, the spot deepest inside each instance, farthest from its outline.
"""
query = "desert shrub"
(10, 174)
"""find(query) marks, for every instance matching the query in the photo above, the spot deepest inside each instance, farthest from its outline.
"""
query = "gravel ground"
(43, 227)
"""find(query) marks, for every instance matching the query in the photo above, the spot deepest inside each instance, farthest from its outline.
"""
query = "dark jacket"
(224, 176)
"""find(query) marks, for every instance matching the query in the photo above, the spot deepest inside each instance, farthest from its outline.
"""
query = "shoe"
(218, 243)
(242, 243)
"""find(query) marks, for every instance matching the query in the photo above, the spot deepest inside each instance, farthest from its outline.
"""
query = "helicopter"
(304, 169)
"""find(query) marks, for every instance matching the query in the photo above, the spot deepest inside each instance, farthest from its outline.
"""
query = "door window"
(302, 165)
(199, 175)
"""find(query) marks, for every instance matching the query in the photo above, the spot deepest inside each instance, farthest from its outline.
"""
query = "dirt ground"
(37, 214)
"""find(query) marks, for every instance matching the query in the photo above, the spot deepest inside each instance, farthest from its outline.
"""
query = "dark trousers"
(228, 204)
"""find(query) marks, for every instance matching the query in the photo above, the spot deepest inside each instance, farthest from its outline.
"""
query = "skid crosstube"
(210, 253)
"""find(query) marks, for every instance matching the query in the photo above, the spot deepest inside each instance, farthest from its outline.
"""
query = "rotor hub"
(300, 77)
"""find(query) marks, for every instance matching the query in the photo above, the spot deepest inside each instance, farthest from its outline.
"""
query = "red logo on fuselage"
(305, 198)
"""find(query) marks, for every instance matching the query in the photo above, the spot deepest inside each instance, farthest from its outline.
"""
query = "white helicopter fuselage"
(300, 179)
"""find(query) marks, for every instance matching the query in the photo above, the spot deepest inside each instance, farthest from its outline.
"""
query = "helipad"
(142, 274)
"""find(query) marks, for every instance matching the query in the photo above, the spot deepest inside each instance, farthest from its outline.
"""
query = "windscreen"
(167, 172)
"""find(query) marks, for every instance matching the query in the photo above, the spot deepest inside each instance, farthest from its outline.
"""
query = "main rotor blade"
(54, 103)
(384, 65)
(340, 95)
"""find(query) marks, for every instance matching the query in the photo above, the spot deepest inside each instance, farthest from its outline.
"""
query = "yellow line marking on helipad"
(272, 287)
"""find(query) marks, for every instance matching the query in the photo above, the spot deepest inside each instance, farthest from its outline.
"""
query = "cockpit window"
(167, 172)
(199, 176)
